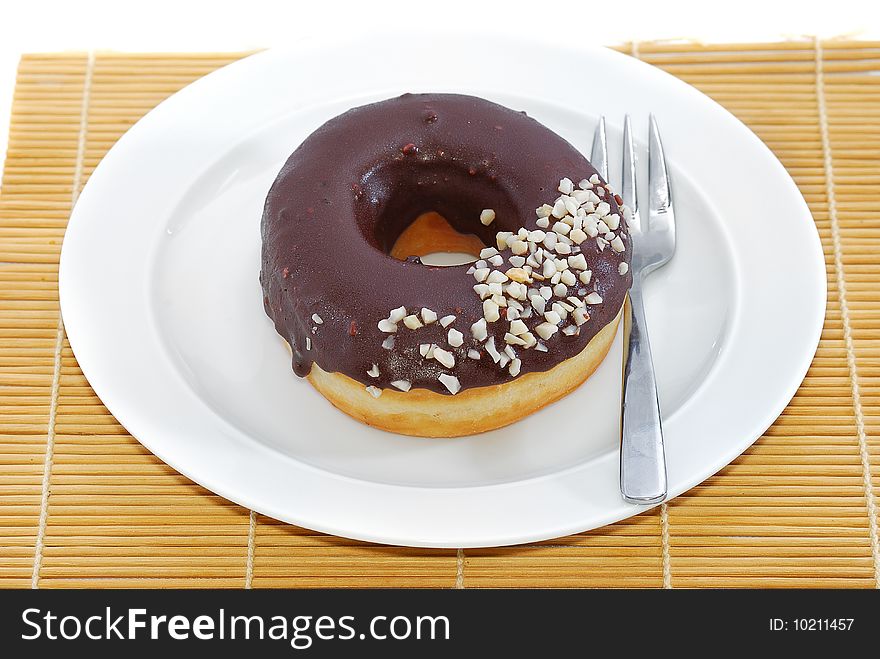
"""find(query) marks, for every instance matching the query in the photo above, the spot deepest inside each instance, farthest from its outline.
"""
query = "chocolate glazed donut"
(348, 192)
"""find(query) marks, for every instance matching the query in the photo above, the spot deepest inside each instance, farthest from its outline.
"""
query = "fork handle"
(642, 459)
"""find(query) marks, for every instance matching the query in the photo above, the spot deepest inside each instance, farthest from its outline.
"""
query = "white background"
(226, 25)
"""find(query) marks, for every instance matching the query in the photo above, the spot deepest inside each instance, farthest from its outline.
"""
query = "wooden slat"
(791, 512)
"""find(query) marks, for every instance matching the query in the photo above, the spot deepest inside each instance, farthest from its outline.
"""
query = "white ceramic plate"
(161, 302)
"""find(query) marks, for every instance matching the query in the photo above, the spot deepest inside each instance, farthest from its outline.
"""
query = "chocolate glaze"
(349, 190)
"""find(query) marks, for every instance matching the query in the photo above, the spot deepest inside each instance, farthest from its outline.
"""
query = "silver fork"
(642, 458)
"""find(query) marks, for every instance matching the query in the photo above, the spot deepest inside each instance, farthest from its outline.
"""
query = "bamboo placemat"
(83, 504)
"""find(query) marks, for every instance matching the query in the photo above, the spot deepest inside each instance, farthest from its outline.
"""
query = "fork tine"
(660, 214)
(628, 178)
(599, 154)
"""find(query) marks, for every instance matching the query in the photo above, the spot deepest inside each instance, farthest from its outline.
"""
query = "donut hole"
(431, 210)
(436, 242)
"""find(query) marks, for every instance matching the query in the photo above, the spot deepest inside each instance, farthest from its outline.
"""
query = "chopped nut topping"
(493, 352)
(518, 327)
(386, 325)
(578, 236)
(552, 317)
(308, 343)
(450, 382)
(577, 262)
(519, 247)
(552, 255)
(558, 209)
(317, 319)
(581, 196)
(563, 248)
(546, 330)
(490, 310)
(561, 228)
(538, 302)
(375, 392)
(536, 236)
(397, 314)
(580, 316)
(412, 322)
(515, 366)
(479, 331)
(444, 357)
(517, 291)
(496, 277)
(517, 275)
